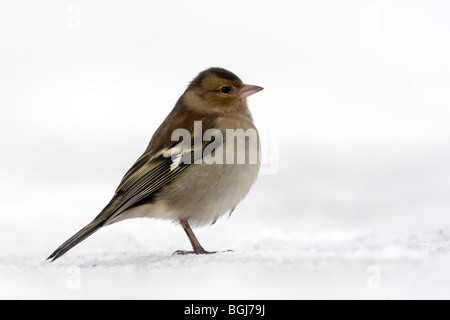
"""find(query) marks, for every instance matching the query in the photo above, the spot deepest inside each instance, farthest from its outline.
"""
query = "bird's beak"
(248, 90)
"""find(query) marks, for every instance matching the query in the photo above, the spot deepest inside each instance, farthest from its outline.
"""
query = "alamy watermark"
(73, 21)
(232, 146)
(373, 282)
(373, 21)
(73, 281)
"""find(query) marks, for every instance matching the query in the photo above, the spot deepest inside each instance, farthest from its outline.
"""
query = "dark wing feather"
(147, 178)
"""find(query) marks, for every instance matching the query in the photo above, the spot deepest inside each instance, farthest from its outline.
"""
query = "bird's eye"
(225, 89)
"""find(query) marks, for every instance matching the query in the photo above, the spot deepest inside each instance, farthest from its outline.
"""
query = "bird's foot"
(202, 251)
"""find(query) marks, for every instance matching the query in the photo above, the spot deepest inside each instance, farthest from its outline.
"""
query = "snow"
(271, 259)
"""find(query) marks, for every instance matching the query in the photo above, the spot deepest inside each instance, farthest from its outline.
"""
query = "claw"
(186, 252)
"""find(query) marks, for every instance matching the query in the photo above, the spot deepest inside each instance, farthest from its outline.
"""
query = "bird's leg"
(198, 249)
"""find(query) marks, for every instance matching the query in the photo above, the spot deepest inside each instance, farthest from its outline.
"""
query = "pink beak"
(247, 90)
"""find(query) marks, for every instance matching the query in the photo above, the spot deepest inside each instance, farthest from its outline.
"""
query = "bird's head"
(218, 90)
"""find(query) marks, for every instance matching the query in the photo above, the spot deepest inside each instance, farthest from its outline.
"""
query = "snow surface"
(327, 265)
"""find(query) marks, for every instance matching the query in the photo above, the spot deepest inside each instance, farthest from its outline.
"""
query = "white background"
(357, 93)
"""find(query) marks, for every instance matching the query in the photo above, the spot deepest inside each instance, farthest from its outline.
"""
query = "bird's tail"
(77, 238)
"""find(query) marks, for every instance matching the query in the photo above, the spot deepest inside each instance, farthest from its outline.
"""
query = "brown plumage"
(160, 186)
